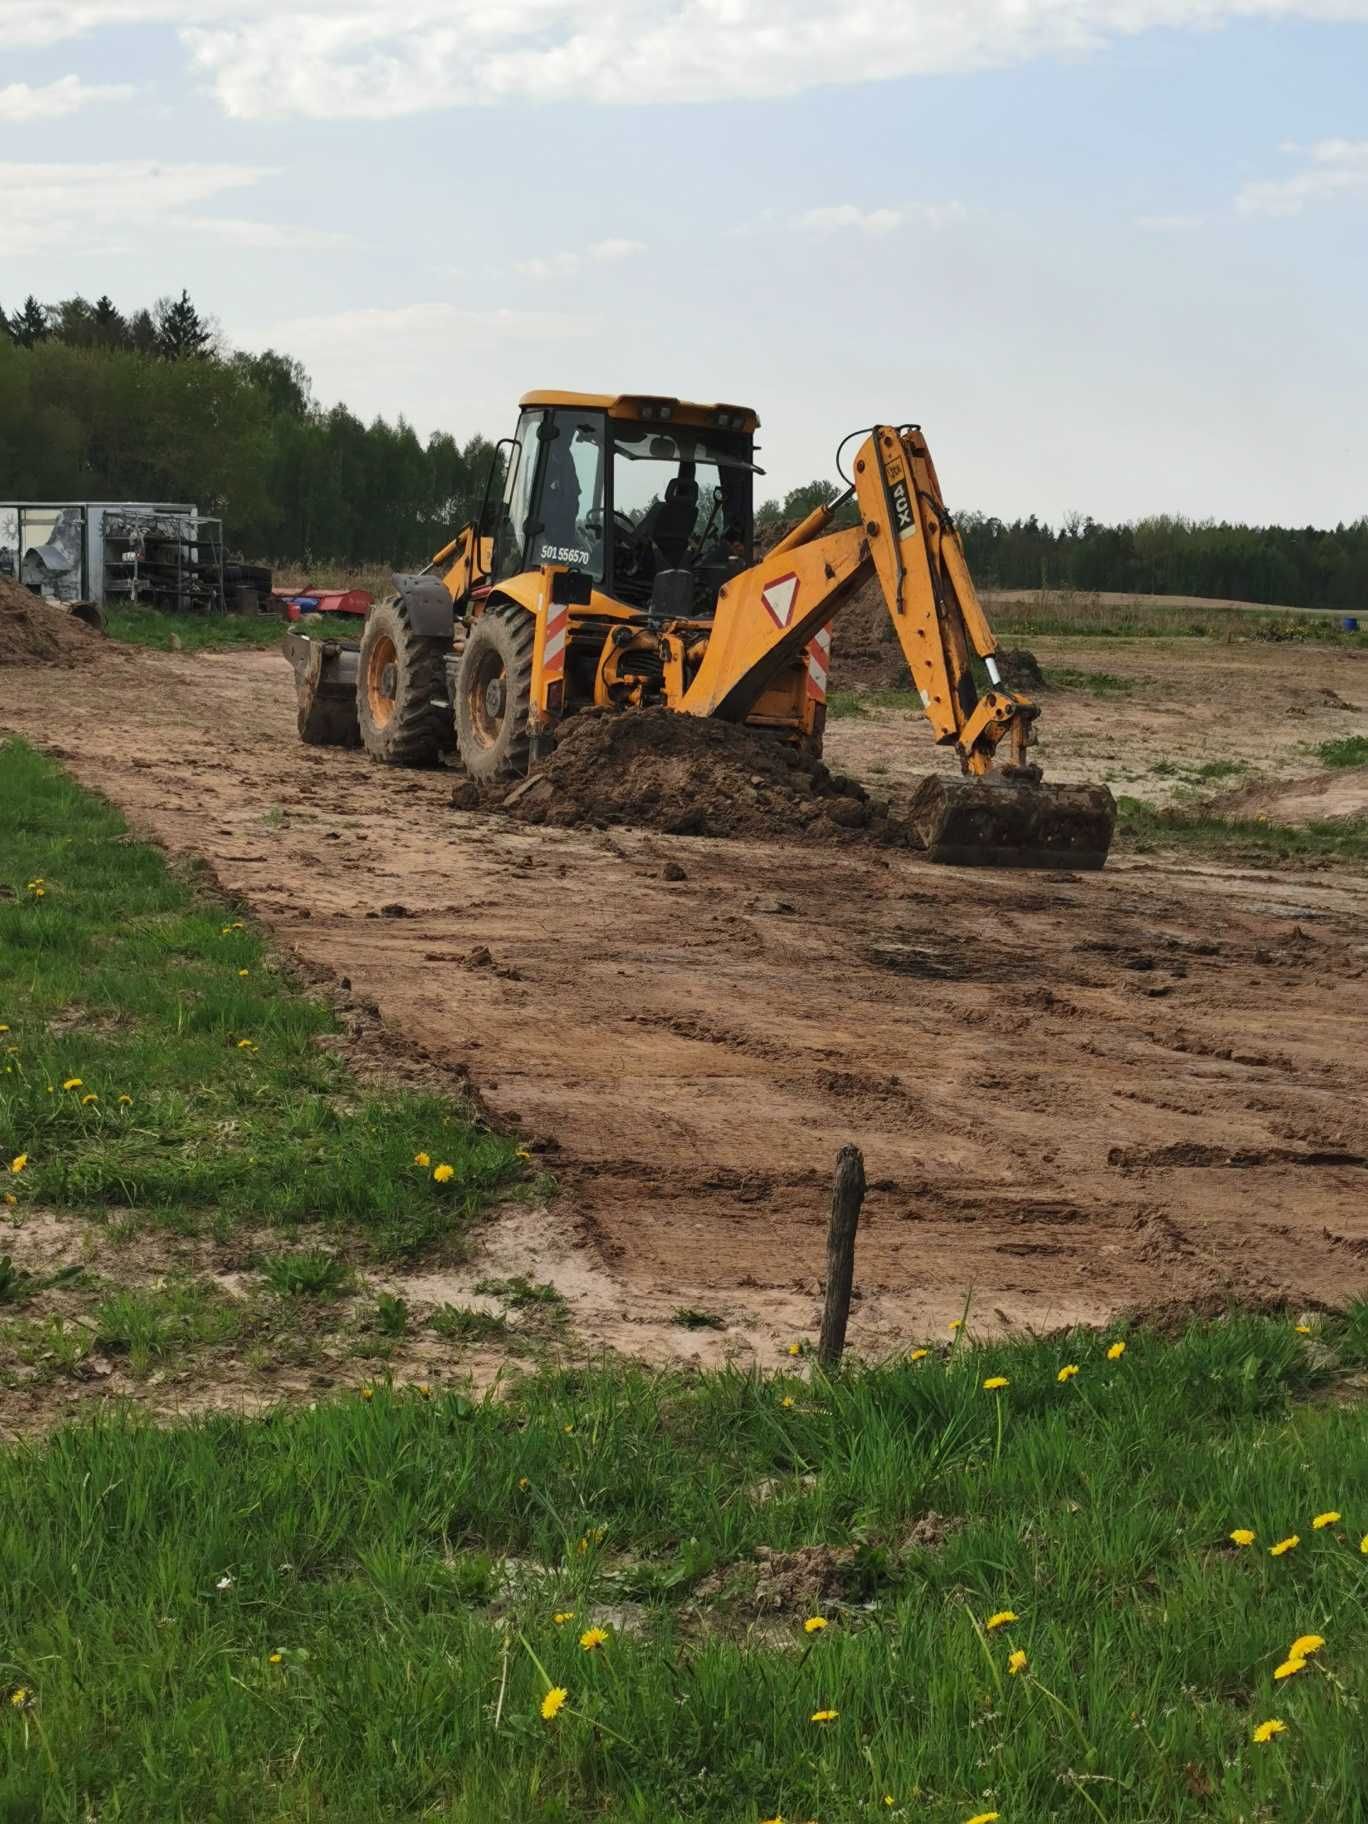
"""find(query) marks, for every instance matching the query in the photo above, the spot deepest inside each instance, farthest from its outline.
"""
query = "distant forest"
(98, 404)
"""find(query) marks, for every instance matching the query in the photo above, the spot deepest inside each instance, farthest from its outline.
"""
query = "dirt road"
(1075, 1095)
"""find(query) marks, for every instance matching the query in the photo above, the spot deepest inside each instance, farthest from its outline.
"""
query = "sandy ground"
(1075, 1095)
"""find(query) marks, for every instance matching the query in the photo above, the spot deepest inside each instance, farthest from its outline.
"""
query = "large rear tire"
(401, 690)
(494, 695)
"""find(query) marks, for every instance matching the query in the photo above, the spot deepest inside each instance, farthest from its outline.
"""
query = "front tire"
(494, 695)
(400, 690)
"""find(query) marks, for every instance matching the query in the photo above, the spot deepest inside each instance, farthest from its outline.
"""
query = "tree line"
(96, 403)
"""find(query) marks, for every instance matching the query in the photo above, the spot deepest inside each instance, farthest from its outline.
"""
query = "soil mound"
(33, 632)
(1338, 792)
(692, 776)
(865, 654)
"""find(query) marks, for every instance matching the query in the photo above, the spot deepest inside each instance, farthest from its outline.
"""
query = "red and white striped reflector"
(557, 631)
(818, 664)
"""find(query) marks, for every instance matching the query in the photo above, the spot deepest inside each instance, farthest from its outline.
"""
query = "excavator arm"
(906, 537)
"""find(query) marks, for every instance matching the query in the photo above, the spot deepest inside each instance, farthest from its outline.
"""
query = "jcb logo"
(902, 506)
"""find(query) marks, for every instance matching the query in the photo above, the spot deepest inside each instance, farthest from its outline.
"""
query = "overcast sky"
(1112, 254)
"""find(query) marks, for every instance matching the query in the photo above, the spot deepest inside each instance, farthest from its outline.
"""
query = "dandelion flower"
(1290, 1668)
(814, 1624)
(1264, 1732)
(524, 1482)
(422, 1159)
(20, 1696)
(562, 1616)
(125, 1101)
(1001, 1619)
(274, 1659)
(1305, 1645)
(444, 1174)
(795, 1348)
(1302, 1330)
(553, 1702)
(984, 1817)
(1363, 1545)
(567, 1429)
(244, 972)
(40, 892)
(11, 1199)
(1284, 1545)
(73, 1083)
(995, 1381)
(87, 1100)
(17, 1164)
(824, 1716)
(4, 1028)
(1323, 1520)
(424, 1391)
(367, 1393)
(593, 1638)
(1117, 1350)
(774, 1820)
(918, 1355)
(787, 1400)
(1067, 1372)
(956, 1323)
(1016, 1662)
(1243, 1535)
(246, 1045)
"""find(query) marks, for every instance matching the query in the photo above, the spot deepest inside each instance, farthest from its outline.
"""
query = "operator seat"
(669, 524)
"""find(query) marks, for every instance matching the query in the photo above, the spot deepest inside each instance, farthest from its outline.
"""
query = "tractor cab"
(650, 499)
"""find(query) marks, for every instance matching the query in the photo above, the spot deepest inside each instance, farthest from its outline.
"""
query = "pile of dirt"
(693, 776)
(1319, 797)
(865, 654)
(34, 632)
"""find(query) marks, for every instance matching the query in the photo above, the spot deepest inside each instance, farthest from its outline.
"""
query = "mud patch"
(33, 632)
(694, 776)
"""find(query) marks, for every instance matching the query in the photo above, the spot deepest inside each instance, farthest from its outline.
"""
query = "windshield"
(697, 480)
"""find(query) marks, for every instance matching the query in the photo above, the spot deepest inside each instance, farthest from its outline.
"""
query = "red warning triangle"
(779, 598)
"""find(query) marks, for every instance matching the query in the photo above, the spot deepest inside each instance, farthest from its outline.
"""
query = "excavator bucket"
(998, 823)
(325, 685)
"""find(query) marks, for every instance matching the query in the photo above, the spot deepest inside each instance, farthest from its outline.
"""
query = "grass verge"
(592, 1598)
(164, 632)
(1349, 750)
(1144, 827)
(155, 1060)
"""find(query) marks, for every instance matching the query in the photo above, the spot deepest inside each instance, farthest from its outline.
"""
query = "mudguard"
(430, 609)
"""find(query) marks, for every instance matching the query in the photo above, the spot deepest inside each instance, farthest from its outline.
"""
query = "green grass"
(347, 1612)
(198, 1094)
(1349, 750)
(1145, 827)
(845, 703)
(1072, 614)
(192, 632)
(1097, 683)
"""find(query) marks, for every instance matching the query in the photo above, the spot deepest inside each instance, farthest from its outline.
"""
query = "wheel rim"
(487, 698)
(382, 680)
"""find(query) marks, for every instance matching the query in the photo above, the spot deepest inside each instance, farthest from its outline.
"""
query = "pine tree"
(142, 333)
(30, 326)
(111, 331)
(181, 335)
(6, 331)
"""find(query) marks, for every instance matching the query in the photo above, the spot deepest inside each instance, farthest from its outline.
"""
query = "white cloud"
(880, 221)
(365, 61)
(385, 331)
(1169, 224)
(100, 207)
(1333, 168)
(18, 101)
(563, 265)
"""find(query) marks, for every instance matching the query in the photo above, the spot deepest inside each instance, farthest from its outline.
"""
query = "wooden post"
(847, 1195)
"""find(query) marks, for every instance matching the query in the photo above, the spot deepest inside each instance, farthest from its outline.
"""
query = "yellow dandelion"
(245, 1045)
(1067, 1372)
(274, 1659)
(567, 1429)
(20, 1696)
(87, 1100)
(1016, 1662)
(1001, 1619)
(984, 1817)
(11, 1199)
(814, 1624)
(1363, 1545)
(125, 1101)
(444, 1174)
(795, 1348)
(593, 1638)
(956, 1323)
(1323, 1520)
(40, 892)
(562, 1616)
(787, 1400)
(995, 1381)
(1290, 1668)
(1264, 1732)
(244, 972)
(1305, 1645)
(1284, 1545)
(1303, 1330)
(824, 1716)
(17, 1164)
(524, 1482)
(4, 1028)
(424, 1391)
(422, 1159)
(774, 1820)
(1244, 1535)
(1116, 1351)
(918, 1355)
(553, 1702)
(367, 1393)
(73, 1083)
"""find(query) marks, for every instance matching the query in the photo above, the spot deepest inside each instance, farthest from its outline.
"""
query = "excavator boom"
(997, 814)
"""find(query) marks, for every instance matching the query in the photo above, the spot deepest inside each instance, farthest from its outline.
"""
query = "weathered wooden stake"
(847, 1195)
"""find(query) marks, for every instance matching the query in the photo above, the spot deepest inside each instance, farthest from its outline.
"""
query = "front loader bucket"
(995, 823)
(325, 685)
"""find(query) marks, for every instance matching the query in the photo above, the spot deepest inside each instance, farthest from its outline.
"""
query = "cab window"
(569, 519)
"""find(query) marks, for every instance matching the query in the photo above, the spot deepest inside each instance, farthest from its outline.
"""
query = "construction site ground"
(1076, 1095)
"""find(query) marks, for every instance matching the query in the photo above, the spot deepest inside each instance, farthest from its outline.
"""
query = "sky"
(1112, 255)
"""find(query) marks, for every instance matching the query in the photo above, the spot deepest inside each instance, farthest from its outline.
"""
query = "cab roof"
(647, 408)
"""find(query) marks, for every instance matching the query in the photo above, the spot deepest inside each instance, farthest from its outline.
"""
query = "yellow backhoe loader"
(615, 567)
